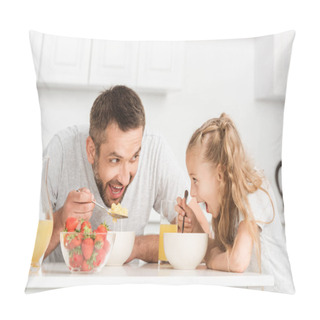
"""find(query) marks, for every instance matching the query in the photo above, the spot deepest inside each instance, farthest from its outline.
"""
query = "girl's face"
(205, 180)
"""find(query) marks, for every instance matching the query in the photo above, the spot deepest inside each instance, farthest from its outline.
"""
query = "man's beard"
(103, 188)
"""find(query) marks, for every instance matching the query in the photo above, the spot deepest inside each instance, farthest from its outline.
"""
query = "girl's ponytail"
(241, 179)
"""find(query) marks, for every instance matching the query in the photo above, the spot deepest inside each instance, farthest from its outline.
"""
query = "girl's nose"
(193, 191)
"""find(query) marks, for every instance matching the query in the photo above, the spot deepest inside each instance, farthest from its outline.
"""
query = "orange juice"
(42, 241)
(165, 228)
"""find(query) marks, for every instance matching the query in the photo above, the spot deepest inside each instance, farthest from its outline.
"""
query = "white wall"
(217, 78)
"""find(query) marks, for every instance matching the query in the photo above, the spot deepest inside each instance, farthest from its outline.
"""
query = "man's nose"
(124, 174)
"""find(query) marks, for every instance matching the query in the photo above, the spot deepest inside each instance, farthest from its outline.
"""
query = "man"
(119, 161)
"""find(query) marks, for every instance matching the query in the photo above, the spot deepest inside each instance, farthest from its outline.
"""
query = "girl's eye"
(194, 180)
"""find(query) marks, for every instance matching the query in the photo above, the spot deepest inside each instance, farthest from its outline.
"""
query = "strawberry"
(72, 240)
(66, 240)
(87, 246)
(102, 231)
(102, 228)
(71, 224)
(99, 241)
(75, 258)
(75, 241)
(86, 266)
(86, 227)
(99, 257)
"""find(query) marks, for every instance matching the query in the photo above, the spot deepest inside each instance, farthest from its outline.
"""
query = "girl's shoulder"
(261, 203)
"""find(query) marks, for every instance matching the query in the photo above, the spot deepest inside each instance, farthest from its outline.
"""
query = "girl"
(247, 232)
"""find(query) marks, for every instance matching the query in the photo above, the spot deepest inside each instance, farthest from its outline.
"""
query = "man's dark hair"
(120, 105)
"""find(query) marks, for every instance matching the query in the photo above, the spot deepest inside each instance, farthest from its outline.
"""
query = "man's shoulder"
(73, 132)
(69, 135)
(153, 137)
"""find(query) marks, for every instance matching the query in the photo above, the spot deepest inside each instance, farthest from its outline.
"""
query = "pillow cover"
(181, 84)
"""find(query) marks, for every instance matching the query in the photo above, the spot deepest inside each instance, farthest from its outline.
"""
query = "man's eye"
(114, 160)
(134, 158)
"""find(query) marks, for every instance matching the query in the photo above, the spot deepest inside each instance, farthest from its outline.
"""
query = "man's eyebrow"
(138, 150)
(114, 154)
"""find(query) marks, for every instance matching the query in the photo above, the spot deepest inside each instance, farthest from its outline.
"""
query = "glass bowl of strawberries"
(85, 250)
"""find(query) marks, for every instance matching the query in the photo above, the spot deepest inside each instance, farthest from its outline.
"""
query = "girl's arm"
(238, 258)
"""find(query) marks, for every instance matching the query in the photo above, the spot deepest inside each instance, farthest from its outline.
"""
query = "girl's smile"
(205, 181)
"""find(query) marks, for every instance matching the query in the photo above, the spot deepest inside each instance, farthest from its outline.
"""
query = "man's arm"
(145, 248)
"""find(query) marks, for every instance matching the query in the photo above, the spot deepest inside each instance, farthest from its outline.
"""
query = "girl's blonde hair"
(221, 145)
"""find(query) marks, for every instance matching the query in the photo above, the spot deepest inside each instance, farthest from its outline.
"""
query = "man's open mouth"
(116, 191)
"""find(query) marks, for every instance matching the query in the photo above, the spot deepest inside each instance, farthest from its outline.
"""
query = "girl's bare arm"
(238, 258)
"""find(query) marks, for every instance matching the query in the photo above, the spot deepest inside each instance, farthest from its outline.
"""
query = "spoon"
(185, 197)
(112, 214)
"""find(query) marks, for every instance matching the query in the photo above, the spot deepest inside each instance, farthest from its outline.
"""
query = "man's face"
(117, 163)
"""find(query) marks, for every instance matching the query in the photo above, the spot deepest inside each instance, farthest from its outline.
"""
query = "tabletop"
(57, 275)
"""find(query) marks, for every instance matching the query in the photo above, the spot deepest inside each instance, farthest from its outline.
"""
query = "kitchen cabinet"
(36, 40)
(145, 66)
(113, 62)
(272, 59)
(64, 61)
(161, 65)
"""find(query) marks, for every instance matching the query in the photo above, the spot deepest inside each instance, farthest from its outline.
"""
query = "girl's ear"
(91, 150)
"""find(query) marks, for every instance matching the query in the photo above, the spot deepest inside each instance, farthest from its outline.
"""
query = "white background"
(163, 20)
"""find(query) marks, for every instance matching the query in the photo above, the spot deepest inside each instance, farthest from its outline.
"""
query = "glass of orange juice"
(168, 223)
(45, 224)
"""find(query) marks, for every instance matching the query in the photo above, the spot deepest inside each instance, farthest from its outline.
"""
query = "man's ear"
(91, 150)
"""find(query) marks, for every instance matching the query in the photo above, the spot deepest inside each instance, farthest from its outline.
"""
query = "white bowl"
(122, 247)
(185, 251)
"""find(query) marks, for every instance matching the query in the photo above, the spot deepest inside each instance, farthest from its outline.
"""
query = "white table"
(57, 275)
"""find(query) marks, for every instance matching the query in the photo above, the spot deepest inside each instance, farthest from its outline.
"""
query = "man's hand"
(78, 204)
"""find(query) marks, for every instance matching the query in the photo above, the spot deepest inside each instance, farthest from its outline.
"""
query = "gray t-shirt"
(158, 177)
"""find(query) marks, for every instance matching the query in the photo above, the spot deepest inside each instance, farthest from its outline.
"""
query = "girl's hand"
(184, 210)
